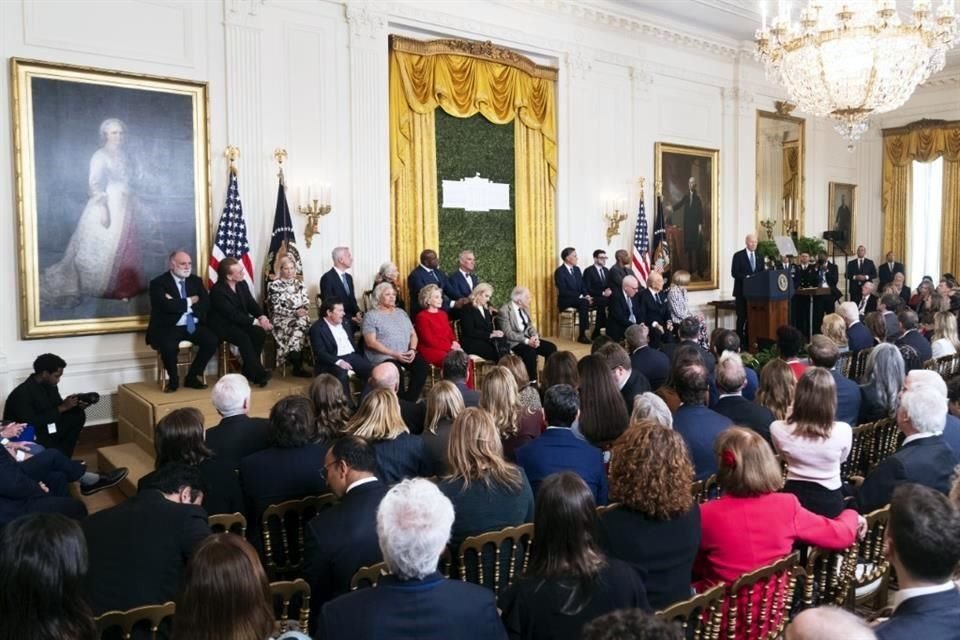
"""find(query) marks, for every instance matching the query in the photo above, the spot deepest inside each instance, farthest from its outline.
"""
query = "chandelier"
(849, 59)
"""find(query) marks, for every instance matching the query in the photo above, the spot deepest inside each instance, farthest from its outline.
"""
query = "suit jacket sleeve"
(318, 343)
(160, 303)
(14, 483)
(195, 530)
(327, 286)
(472, 325)
(878, 486)
(739, 268)
(510, 331)
(225, 308)
(202, 306)
(316, 567)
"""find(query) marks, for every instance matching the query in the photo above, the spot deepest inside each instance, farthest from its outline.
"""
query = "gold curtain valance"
(922, 144)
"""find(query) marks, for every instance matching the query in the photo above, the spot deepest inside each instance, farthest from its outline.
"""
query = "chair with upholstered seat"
(871, 568)
(184, 359)
(946, 366)
(228, 523)
(827, 576)
(293, 594)
(701, 616)
(140, 621)
(492, 559)
(858, 364)
(758, 603)
(282, 529)
(872, 443)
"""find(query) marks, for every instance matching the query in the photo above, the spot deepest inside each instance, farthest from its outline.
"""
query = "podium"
(768, 295)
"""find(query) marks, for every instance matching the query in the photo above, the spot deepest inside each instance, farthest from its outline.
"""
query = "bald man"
(746, 262)
(829, 623)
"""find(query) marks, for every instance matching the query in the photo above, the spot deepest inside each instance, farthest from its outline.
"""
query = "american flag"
(641, 247)
(231, 239)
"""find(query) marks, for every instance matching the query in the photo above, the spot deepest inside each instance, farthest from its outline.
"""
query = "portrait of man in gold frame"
(842, 209)
(112, 174)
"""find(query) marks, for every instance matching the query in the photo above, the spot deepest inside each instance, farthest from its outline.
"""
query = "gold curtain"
(923, 142)
(464, 78)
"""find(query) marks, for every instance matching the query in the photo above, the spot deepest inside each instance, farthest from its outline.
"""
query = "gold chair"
(568, 323)
(607, 507)
(946, 366)
(701, 616)
(858, 364)
(758, 603)
(368, 576)
(844, 361)
(134, 619)
(870, 567)
(491, 559)
(827, 576)
(706, 489)
(289, 519)
(184, 360)
(286, 591)
(873, 442)
(228, 523)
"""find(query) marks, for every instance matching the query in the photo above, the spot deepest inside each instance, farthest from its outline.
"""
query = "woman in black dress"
(477, 331)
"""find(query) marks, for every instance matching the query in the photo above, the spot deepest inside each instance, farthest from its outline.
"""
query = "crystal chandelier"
(849, 59)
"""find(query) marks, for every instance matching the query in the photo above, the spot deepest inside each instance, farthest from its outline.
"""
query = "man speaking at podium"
(745, 262)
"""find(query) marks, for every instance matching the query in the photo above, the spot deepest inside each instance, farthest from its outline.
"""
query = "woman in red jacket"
(436, 337)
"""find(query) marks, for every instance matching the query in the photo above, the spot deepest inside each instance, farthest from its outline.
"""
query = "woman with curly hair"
(499, 398)
(656, 526)
(331, 406)
(777, 384)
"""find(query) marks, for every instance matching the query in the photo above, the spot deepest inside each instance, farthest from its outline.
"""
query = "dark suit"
(748, 414)
(700, 426)
(401, 458)
(892, 324)
(232, 312)
(36, 404)
(619, 314)
(570, 291)
(825, 304)
(859, 337)
(340, 540)
(413, 414)
(928, 461)
(331, 286)
(653, 364)
(933, 615)
(854, 269)
(709, 360)
(434, 608)
(740, 268)
(418, 279)
(236, 437)
(598, 281)
(617, 273)
(692, 219)
(457, 286)
(654, 308)
(560, 449)
(921, 345)
(951, 433)
(885, 274)
(221, 485)
(848, 398)
(21, 494)
(167, 306)
(749, 391)
(804, 277)
(867, 305)
(139, 549)
(325, 356)
(471, 397)
(475, 329)
(636, 384)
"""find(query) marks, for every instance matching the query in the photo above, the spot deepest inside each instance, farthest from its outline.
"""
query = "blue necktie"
(753, 263)
(346, 286)
(632, 318)
(191, 321)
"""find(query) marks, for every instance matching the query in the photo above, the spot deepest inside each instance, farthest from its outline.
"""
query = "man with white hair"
(520, 333)
(867, 301)
(414, 600)
(829, 623)
(745, 263)
(338, 284)
(625, 310)
(924, 458)
(237, 435)
(731, 378)
(932, 379)
(858, 336)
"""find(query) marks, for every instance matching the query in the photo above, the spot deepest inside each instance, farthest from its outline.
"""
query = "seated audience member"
(389, 337)
(179, 306)
(36, 401)
(625, 310)
(388, 272)
(652, 363)
(932, 380)
(631, 624)
(877, 327)
(883, 377)
(572, 291)
(517, 424)
(559, 448)
(456, 366)
(237, 435)
(444, 404)
(569, 580)
(833, 327)
(340, 540)
(828, 623)
(400, 454)
(698, 425)
(519, 332)
(777, 386)
(334, 351)
(823, 353)
(923, 458)
(434, 333)
(655, 310)
(387, 376)
(43, 561)
(24, 488)
(944, 340)
(560, 368)
(226, 594)
(488, 493)
(603, 414)
(868, 299)
(290, 316)
(649, 406)
(911, 337)
(331, 408)
(750, 478)
(477, 329)
(337, 283)
(689, 333)
(139, 548)
(727, 340)
(677, 297)
(427, 272)
(888, 306)
(295, 447)
(789, 343)
(682, 356)
(650, 478)
(858, 336)
(922, 300)
(528, 396)
(629, 383)
(413, 600)
(598, 342)
(731, 379)
(236, 318)
(899, 287)
(814, 444)
(923, 545)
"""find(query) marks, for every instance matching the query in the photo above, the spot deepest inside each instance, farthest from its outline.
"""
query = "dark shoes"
(300, 372)
(583, 339)
(107, 480)
(194, 383)
(262, 380)
(172, 386)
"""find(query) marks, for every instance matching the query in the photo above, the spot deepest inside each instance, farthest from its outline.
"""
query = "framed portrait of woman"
(689, 179)
(112, 175)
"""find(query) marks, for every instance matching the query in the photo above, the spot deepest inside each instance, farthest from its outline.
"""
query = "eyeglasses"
(324, 472)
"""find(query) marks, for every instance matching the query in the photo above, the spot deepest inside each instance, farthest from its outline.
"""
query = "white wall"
(311, 77)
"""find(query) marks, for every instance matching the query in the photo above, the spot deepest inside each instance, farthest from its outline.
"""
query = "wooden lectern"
(768, 295)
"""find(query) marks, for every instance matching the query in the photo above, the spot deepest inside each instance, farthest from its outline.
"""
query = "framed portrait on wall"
(112, 174)
(689, 179)
(842, 210)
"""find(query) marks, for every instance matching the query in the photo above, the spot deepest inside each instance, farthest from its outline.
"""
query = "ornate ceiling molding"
(475, 49)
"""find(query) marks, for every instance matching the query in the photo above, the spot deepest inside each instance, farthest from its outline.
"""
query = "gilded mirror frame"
(782, 114)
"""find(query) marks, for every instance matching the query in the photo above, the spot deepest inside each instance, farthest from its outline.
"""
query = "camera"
(90, 397)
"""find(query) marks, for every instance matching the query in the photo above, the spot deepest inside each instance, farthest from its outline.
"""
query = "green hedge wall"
(465, 147)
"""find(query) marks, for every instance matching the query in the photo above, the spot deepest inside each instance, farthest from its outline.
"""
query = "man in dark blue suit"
(728, 340)
(334, 350)
(572, 291)
(689, 332)
(698, 425)
(237, 435)
(560, 449)
(342, 539)
(653, 364)
(745, 263)
(823, 353)
(414, 602)
(427, 272)
(338, 284)
(911, 337)
(923, 544)
(625, 310)
(461, 282)
(859, 270)
(888, 269)
(858, 336)
(731, 378)
(597, 277)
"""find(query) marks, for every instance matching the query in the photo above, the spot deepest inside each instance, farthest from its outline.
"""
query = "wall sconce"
(313, 201)
(614, 213)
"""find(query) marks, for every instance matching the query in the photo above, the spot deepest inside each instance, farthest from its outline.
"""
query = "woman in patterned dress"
(289, 309)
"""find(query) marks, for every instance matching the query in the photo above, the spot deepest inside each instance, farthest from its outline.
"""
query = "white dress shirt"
(344, 347)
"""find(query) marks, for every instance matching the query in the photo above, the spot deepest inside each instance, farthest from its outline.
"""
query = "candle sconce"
(614, 215)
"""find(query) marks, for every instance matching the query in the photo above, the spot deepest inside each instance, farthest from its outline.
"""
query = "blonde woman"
(777, 384)
(477, 327)
(444, 404)
(529, 397)
(499, 398)
(835, 328)
(488, 493)
(289, 313)
(944, 341)
(400, 454)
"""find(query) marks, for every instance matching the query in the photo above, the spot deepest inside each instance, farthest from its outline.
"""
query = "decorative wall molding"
(366, 23)
(737, 100)
(578, 64)
(244, 7)
(641, 78)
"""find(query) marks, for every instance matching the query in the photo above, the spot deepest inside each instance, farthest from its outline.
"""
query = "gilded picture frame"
(840, 195)
(112, 174)
(691, 216)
